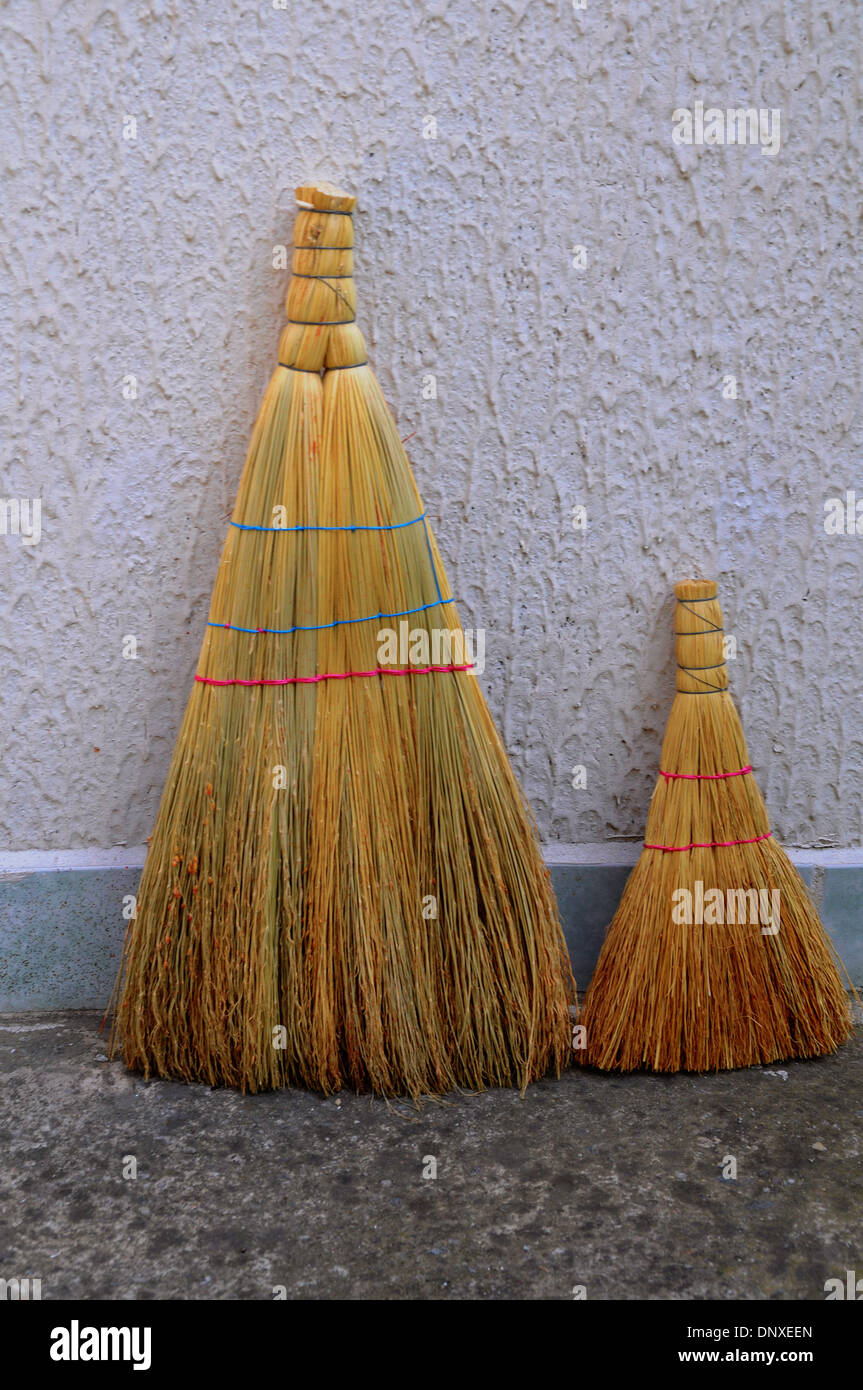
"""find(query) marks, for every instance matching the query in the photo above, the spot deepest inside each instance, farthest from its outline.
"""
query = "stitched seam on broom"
(705, 776)
(710, 844)
(319, 627)
(341, 675)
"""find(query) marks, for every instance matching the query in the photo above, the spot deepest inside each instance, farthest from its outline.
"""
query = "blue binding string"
(392, 526)
(341, 622)
(431, 556)
(319, 627)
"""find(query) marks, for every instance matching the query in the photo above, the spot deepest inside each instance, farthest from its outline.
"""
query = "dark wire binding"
(690, 670)
(330, 212)
(710, 688)
(325, 280)
(714, 667)
(289, 367)
(713, 628)
(322, 323)
(295, 247)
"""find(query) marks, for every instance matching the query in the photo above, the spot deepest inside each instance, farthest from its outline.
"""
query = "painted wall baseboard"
(62, 928)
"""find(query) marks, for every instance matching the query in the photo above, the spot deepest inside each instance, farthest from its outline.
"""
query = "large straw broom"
(703, 967)
(344, 884)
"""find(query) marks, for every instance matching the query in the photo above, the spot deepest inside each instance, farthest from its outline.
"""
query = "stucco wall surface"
(486, 142)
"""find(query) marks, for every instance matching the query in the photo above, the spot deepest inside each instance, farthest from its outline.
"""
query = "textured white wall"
(556, 386)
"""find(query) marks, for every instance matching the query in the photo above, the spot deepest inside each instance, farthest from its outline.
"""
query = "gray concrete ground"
(614, 1184)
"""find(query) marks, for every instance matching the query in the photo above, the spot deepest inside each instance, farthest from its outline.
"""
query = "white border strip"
(34, 861)
(624, 852)
(611, 853)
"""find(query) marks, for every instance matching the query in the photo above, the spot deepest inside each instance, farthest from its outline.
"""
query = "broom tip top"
(325, 197)
(696, 589)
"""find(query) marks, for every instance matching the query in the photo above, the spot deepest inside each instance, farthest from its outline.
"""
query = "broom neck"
(699, 636)
(704, 745)
(321, 301)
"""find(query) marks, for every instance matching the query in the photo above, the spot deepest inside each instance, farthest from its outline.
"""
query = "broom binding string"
(314, 371)
(324, 627)
(351, 526)
(705, 776)
(699, 639)
(341, 675)
(710, 844)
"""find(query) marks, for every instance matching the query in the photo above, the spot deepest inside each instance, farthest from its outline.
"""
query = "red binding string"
(341, 675)
(711, 844)
(705, 776)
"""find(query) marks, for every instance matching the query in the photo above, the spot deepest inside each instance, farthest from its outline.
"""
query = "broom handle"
(323, 246)
(701, 668)
(321, 332)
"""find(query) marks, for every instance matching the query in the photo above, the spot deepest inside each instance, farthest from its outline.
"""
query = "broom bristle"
(344, 885)
(738, 970)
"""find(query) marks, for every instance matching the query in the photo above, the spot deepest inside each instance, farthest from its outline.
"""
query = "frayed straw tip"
(324, 197)
(689, 589)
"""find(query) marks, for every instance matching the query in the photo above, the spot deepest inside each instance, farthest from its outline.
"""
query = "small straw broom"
(344, 884)
(716, 956)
